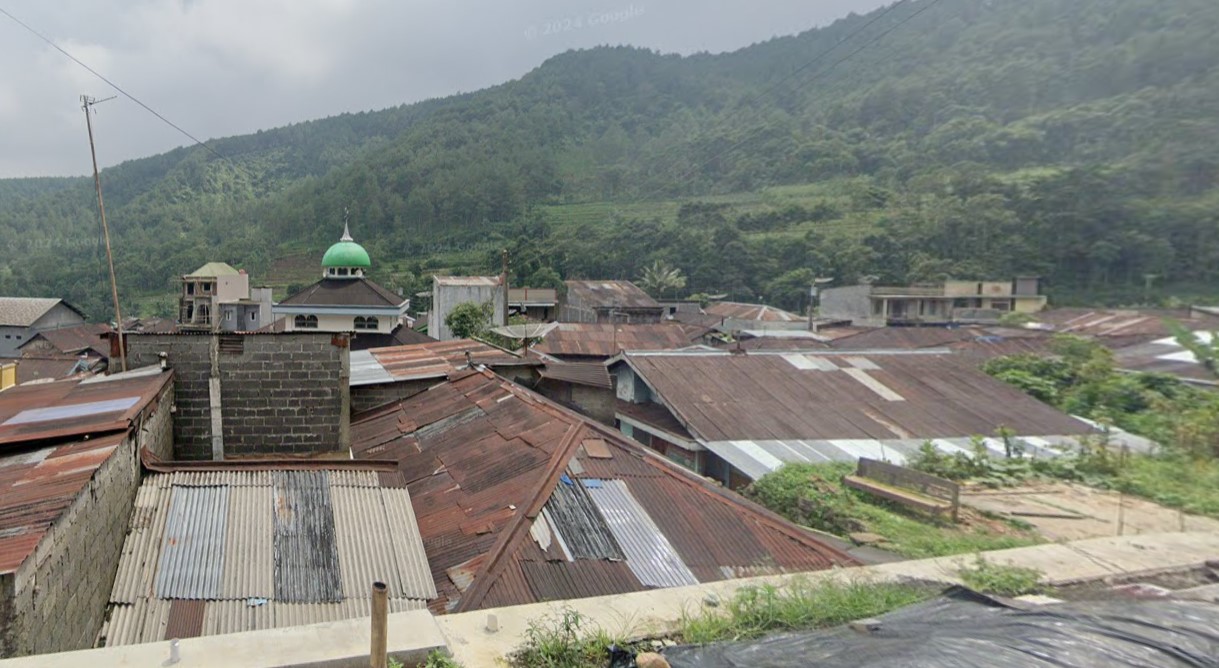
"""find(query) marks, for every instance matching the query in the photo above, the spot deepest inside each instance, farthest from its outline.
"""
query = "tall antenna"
(87, 103)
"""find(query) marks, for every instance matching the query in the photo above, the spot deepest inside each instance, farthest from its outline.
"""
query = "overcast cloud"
(228, 67)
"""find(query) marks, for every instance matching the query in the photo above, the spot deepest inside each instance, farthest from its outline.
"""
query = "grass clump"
(814, 495)
(435, 659)
(563, 641)
(1001, 579)
(801, 604)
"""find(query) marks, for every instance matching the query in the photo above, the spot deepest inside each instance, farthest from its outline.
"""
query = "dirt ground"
(1068, 511)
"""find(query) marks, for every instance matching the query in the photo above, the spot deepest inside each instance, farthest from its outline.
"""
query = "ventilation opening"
(232, 345)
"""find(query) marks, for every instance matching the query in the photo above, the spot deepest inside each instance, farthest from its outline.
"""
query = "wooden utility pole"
(86, 103)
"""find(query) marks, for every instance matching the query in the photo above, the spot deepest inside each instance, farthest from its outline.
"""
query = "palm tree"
(660, 278)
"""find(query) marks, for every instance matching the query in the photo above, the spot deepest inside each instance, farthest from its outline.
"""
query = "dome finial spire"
(346, 230)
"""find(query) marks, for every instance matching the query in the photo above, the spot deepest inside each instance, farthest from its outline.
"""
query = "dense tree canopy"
(985, 138)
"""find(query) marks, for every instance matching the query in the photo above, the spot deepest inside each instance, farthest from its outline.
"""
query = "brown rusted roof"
(44, 463)
(1117, 322)
(71, 340)
(608, 294)
(742, 311)
(606, 339)
(435, 359)
(45, 367)
(67, 408)
(592, 374)
(721, 396)
(483, 458)
(345, 292)
(36, 486)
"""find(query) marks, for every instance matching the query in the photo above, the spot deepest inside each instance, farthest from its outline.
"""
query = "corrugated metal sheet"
(758, 312)
(582, 530)
(70, 407)
(763, 396)
(757, 458)
(247, 598)
(192, 552)
(593, 374)
(420, 361)
(470, 478)
(306, 556)
(141, 554)
(413, 565)
(606, 340)
(649, 554)
(185, 619)
(365, 537)
(608, 294)
(248, 544)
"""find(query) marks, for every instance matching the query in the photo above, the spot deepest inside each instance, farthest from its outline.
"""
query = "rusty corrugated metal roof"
(425, 360)
(606, 340)
(67, 408)
(593, 374)
(609, 294)
(44, 464)
(287, 548)
(722, 396)
(742, 311)
(483, 458)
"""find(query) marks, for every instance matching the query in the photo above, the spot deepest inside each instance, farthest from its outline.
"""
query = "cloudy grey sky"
(225, 67)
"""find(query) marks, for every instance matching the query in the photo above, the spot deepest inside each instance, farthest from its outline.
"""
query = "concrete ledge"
(412, 635)
(659, 611)
(637, 615)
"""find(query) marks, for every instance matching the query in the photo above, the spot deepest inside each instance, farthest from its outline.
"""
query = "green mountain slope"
(1075, 140)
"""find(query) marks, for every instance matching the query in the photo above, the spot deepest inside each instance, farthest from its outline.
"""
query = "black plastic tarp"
(964, 629)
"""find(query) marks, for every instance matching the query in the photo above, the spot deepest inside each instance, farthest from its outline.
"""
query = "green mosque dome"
(346, 253)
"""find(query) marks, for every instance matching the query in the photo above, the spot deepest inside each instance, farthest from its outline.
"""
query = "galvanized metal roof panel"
(649, 554)
(578, 525)
(192, 552)
(305, 554)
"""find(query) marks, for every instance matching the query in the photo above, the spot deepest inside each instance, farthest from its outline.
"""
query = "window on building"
(204, 314)
(366, 323)
(205, 288)
(190, 288)
(253, 317)
(342, 271)
(305, 321)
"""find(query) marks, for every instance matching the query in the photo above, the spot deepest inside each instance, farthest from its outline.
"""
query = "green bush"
(1001, 579)
(801, 604)
(811, 494)
(563, 641)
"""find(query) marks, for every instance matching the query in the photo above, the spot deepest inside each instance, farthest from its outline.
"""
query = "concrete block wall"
(56, 601)
(282, 394)
(596, 403)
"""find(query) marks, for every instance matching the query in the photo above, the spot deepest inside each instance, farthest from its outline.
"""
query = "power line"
(113, 85)
(816, 76)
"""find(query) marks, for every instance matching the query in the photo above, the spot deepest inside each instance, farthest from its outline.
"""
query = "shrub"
(1000, 579)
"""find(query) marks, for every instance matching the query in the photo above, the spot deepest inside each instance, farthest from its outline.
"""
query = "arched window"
(366, 323)
(305, 321)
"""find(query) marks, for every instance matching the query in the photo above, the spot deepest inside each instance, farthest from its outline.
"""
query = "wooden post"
(380, 608)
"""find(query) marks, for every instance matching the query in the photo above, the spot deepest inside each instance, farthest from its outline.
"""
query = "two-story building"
(217, 297)
(953, 302)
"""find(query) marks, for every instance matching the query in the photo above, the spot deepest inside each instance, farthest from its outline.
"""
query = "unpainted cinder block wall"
(367, 397)
(56, 600)
(280, 394)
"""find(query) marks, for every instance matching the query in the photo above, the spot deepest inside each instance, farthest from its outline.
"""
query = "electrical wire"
(113, 85)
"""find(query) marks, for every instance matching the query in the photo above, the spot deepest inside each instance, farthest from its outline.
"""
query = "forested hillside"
(1074, 139)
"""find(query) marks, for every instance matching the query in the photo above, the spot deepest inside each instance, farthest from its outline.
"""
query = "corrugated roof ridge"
(676, 471)
(685, 476)
(505, 545)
